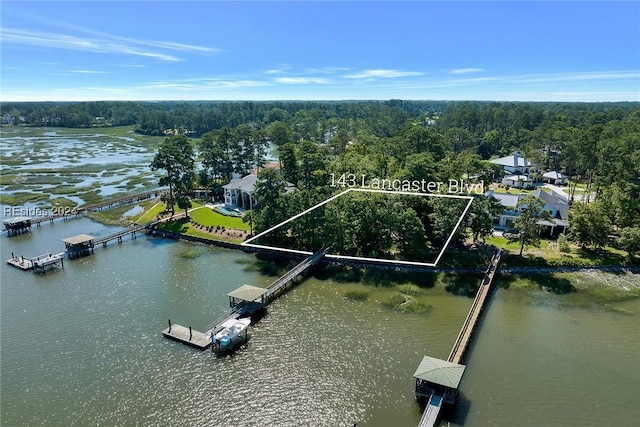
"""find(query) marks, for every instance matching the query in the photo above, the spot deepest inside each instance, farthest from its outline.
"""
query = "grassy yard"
(208, 224)
(209, 218)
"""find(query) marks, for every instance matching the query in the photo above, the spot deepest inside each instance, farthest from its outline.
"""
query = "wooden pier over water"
(438, 380)
(243, 301)
(18, 225)
(469, 325)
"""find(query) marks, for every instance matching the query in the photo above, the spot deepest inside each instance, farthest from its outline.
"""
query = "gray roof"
(437, 371)
(80, 238)
(248, 293)
(246, 183)
(555, 175)
(554, 200)
(514, 160)
(523, 178)
(508, 200)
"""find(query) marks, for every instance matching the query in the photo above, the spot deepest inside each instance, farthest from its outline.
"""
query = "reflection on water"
(83, 346)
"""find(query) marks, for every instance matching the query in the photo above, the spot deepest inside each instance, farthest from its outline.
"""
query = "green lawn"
(151, 211)
(209, 218)
(206, 217)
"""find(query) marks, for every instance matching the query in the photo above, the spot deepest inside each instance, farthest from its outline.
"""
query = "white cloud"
(87, 72)
(586, 75)
(301, 80)
(106, 43)
(467, 70)
(383, 73)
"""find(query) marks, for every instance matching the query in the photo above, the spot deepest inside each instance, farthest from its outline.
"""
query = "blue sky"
(278, 50)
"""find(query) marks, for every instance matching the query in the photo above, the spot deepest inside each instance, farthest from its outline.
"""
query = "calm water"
(82, 346)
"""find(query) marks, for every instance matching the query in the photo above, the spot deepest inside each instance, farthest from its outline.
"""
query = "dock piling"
(169, 325)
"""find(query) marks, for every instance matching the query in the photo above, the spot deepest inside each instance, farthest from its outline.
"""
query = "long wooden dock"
(119, 235)
(432, 383)
(69, 213)
(243, 302)
(468, 327)
(283, 281)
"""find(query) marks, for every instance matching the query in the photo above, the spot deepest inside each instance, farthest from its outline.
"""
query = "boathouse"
(17, 225)
(248, 298)
(79, 246)
(438, 377)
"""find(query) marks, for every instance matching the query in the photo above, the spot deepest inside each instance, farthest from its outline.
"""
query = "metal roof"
(17, 220)
(515, 160)
(80, 238)
(555, 175)
(507, 199)
(248, 293)
(438, 371)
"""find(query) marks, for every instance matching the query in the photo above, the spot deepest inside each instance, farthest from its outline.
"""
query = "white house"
(515, 164)
(519, 181)
(555, 178)
(557, 206)
(240, 191)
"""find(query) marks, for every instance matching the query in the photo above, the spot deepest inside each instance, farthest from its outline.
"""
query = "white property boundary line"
(345, 257)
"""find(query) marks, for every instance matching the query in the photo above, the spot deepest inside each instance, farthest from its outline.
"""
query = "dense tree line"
(597, 144)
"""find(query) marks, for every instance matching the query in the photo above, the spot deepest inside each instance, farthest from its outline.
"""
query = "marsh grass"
(21, 198)
(586, 289)
(406, 304)
(408, 289)
(191, 253)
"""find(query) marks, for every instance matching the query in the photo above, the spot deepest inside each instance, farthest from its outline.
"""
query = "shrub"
(563, 244)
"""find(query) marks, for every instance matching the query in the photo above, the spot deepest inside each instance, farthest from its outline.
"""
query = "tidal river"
(82, 346)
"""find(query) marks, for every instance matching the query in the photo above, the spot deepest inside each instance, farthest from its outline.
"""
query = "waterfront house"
(557, 206)
(240, 191)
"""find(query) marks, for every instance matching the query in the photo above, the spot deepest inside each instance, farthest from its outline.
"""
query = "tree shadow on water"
(547, 282)
(462, 284)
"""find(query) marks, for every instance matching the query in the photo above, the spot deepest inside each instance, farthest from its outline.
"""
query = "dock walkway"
(69, 213)
(282, 282)
(468, 327)
(431, 412)
(118, 235)
(453, 363)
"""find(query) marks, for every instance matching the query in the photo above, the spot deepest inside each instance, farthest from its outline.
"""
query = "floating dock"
(39, 263)
(187, 335)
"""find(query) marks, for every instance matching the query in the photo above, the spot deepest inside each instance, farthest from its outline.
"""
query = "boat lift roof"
(439, 371)
(248, 293)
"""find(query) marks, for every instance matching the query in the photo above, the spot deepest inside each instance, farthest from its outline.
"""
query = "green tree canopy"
(176, 157)
(531, 211)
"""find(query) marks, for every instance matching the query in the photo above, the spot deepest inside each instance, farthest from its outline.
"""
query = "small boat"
(233, 331)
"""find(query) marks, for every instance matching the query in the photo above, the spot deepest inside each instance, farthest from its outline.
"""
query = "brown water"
(82, 346)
